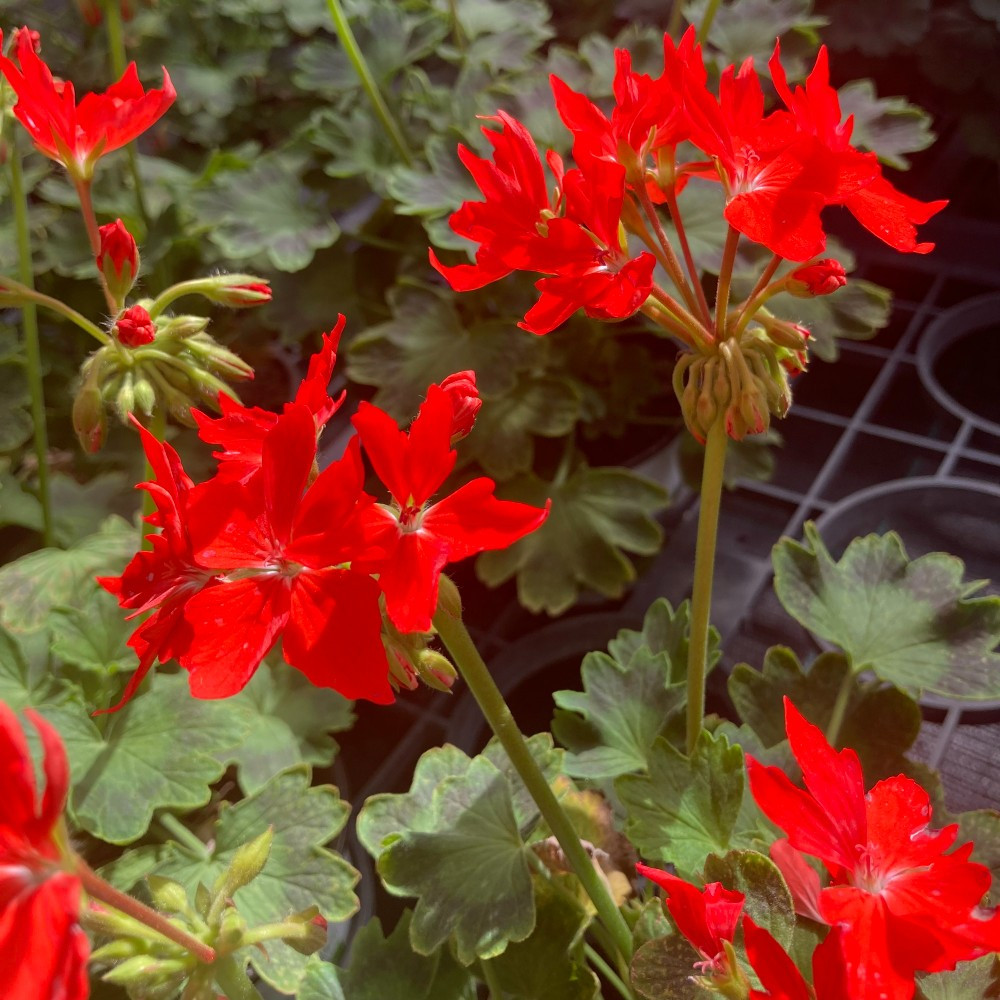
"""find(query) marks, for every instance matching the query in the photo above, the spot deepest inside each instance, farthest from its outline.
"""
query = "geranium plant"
(161, 831)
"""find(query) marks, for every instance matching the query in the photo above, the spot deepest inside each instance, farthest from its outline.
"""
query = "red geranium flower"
(241, 429)
(518, 228)
(78, 135)
(284, 549)
(420, 538)
(43, 947)
(901, 903)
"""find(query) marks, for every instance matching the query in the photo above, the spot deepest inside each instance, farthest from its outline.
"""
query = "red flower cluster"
(43, 950)
(78, 135)
(264, 550)
(779, 171)
(897, 902)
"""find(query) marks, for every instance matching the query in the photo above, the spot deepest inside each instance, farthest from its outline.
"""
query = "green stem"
(725, 282)
(32, 347)
(706, 22)
(354, 53)
(157, 426)
(761, 292)
(490, 978)
(455, 636)
(54, 305)
(184, 836)
(119, 58)
(704, 565)
(596, 959)
(840, 708)
(231, 977)
(95, 887)
(674, 20)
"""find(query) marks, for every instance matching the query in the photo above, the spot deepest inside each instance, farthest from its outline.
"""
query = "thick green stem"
(470, 664)
(184, 836)
(704, 565)
(157, 426)
(492, 982)
(231, 977)
(840, 708)
(54, 305)
(706, 22)
(96, 888)
(32, 348)
(356, 56)
(596, 959)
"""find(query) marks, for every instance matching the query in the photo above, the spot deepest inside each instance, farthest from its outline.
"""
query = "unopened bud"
(246, 864)
(313, 931)
(125, 397)
(821, 278)
(449, 600)
(91, 12)
(118, 259)
(89, 419)
(232, 927)
(465, 402)
(33, 37)
(147, 969)
(167, 894)
(238, 291)
(134, 327)
(116, 951)
(435, 670)
(183, 327)
(145, 394)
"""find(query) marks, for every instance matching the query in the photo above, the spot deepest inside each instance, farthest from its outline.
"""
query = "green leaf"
(503, 438)
(35, 583)
(685, 808)
(662, 970)
(749, 27)
(502, 34)
(550, 963)
(880, 722)
(908, 620)
(25, 681)
(290, 722)
(426, 341)
(300, 871)
(889, 126)
(629, 698)
(137, 764)
(976, 980)
(982, 827)
(93, 636)
(15, 417)
(383, 967)
(597, 516)
(469, 872)
(436, 191)
(767, 899)
(857, 311)
(266, 210)
(320, 982)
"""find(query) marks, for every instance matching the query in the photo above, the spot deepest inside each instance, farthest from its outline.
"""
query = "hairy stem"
(356, 56)
(470, 664)
(32, 347)
(725, 282)
(231, 977)
(704, 565)
(97, 888)
(596, 959)
(94, 235)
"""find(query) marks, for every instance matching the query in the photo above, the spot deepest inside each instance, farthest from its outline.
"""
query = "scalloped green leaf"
(469, 872)
(300, 870)
(629, 698)
(685, 807)
(597, 516)
(320, 981)
(880, 722)
(268, 211)
(550, 963)
(889, 126)
(982, 827)
(910, 621)
(749, 27)
(857, 311)
(36, 583)
(386, 966)
(25, 679)
(767, 899)
(93, 636)
(290, 723)
(426, 341)
(977, 980)
(135, 764)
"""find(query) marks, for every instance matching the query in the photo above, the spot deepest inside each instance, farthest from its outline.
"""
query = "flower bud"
(125, 397)
(89, 419)
(134, 327)
(465, 402)
(821, 278)
(167, 894)
(435, 670)
(238, 291)
(246, 865)
(313, 931)
(118, 259)
(34, 37)
(147, 969)
(183, 327)
(90, 11)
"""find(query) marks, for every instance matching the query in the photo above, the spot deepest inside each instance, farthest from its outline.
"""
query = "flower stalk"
(32, 350)
(455, 636)
(704, 567)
